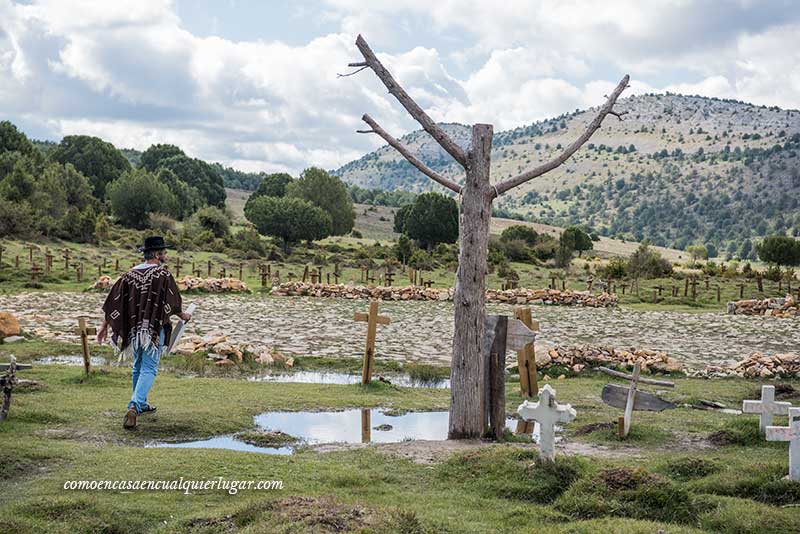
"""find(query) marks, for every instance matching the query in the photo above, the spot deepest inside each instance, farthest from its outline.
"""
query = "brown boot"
(130, 419)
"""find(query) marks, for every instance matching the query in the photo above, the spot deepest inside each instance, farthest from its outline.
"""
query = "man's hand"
(102, 333)
(185, 316)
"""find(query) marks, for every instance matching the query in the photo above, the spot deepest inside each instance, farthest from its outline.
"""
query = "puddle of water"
(347, 426)
(323, 377)
(68, 360)
(222, 442)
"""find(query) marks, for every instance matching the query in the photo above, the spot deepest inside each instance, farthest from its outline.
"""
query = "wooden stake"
(495, 396)
(626, 427)
(85, 332)
(372, 319)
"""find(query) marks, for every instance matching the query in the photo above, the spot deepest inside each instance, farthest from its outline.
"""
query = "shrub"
(648, 263)
(422, 260)
(161, 223)
(213, 219)
(248, 241)
(520, 232)
(616, 268)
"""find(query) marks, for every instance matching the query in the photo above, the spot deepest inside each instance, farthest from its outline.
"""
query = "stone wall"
(512, 296)
(772, 307)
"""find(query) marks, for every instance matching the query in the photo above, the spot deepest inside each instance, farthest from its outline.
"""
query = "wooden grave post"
(655, 296)
(694, 288)
(209, 269)
(547, 412)
(372, 319)
(760, 282)
(791, 434)
(766, 407)
(707, 280)
(336, 277)
(686, 288)
(221, 273)
(263, 274)
(630, 398)
(305, 273)
(314, 277)
(66, 255)
(526, 364)
(241, 273)
(177, 267)
(116, 265)
(31, 248)
(623, 286)
(85, 331)
(389, 278)
(553, 282)
(719, 294)
(99, 270)
(36, 271)
(16, 262)
(2, 249)
(7, 383)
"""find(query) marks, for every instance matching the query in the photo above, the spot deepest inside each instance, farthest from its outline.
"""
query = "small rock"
(13, 339)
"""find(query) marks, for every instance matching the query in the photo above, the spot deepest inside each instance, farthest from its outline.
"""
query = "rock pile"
(772, 307)
(578, 358)
(104, 282)
(756, 365)
(211, 285)
(223, 352)
(514, 296)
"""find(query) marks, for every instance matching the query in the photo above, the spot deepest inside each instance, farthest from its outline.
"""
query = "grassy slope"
(70, 429)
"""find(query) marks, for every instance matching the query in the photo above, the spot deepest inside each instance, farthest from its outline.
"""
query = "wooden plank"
(369, 351)
(624, 376)
(526, 357)
(20, 366)
(637, 369)
(496, 378)
(616, 396)
(518, 335)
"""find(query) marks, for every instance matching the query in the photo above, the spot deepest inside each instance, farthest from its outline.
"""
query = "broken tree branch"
(394, 143)
(607, 109)
(417, 112)
(354, 72)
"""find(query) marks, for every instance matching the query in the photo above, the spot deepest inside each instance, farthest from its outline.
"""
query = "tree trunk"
(467, 369)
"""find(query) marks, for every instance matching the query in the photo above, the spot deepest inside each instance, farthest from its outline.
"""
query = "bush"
(248, 241)
(648, 263)
(520, 232)
(773, 273)
(422, 260)
(290, 219)
(161, 223)
(135, 195)
(616, 268)
(214, 219)
(16, 219)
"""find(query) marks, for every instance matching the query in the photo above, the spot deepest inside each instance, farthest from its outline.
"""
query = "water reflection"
(364, 425)
(325, 377)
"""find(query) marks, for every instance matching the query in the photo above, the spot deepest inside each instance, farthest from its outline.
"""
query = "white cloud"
(131, 72)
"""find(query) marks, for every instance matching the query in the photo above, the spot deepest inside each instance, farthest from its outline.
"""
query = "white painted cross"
(791, 434)
(767, 407)
(547, 412)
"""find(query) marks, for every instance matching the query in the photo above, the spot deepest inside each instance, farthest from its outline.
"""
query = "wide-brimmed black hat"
(155, 242)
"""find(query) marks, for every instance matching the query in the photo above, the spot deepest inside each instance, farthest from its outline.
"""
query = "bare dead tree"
(467, 413)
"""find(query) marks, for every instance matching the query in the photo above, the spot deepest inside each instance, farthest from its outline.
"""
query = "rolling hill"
(677, 170)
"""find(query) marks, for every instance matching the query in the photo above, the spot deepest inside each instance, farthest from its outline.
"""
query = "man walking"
(138, 310)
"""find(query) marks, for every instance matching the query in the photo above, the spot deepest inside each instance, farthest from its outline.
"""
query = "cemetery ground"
(681, 470)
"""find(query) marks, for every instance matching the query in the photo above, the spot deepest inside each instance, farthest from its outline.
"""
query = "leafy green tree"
(198, 174)
(290, 219)
(16, 219)
(96, 159)
(746, 250)
(187, 198)
(327, 192)
(576, 239)
(152, 157)
(697, 252)
(404, 249)
(135, 195)
(400, 218)
(433, 219)
(520, 232)
(213, 219)
(12, 140)
(646, 262)
(780, 250)
(272, 185)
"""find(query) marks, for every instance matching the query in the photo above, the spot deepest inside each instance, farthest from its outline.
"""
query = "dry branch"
(394, 143)
(607, 109)
(417, 112)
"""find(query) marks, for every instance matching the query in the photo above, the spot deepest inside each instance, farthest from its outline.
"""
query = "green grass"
(70, 428)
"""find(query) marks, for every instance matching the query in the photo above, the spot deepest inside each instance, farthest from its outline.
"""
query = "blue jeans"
(145, 369)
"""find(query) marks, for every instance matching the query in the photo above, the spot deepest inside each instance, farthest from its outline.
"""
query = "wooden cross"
(48, 262)
(623, 288)
(31, 248)
(35, 272)
(766, 407)
(66, 255)
(315, 277)
(389, 278)
(526, 364)
(791, 434)
(547, 412)
(336, 277)
(177, 267)
(630, 398)
(221, 273)
(372, 319)
(263, 278)
(428, 283)
(85, 331)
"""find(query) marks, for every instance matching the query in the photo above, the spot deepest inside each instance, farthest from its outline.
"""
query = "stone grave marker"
(791, 434)
(372, 319)
(766, 407)
(630, 398)
(547, 412)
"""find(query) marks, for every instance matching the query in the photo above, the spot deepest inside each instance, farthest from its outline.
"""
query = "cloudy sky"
(253, 83)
